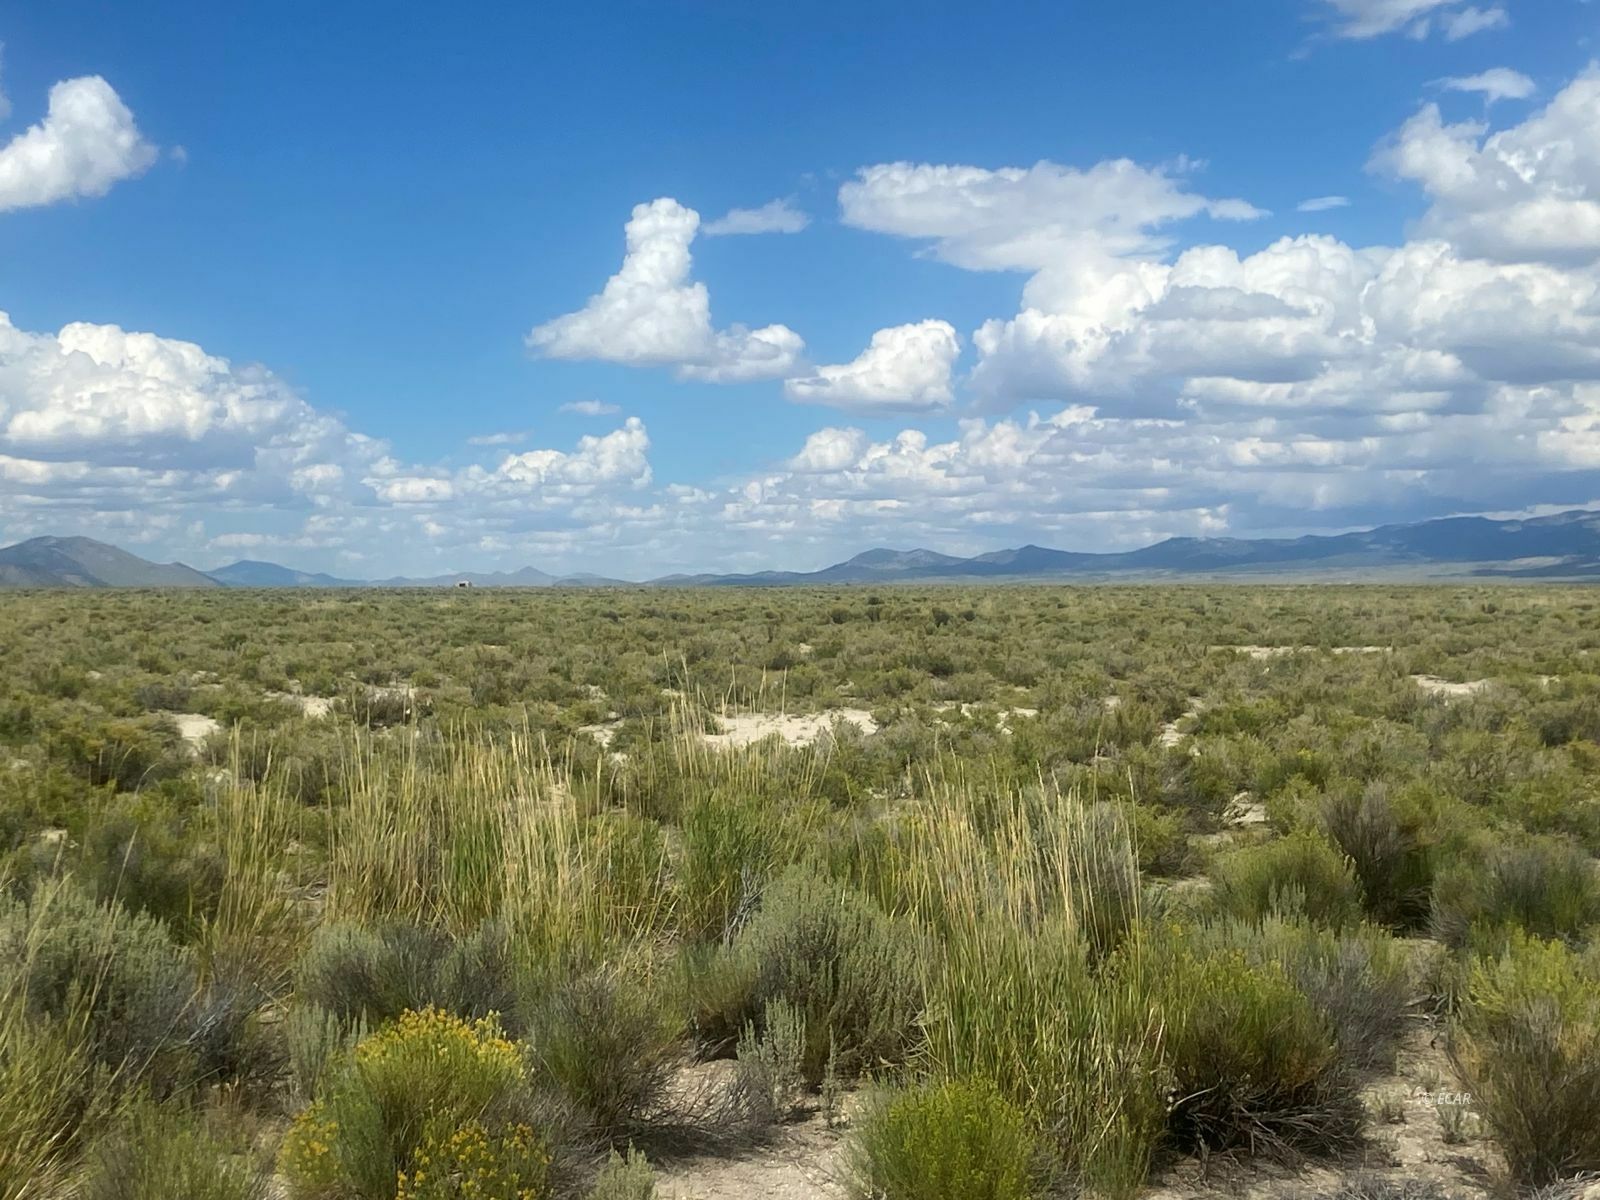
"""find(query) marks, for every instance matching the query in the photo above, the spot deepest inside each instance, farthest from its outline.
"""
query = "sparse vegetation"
(1082, 889)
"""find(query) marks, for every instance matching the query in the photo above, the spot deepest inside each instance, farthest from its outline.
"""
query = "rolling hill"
(1560, 546)
(85, 563)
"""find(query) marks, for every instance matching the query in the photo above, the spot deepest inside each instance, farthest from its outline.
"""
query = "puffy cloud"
(650, 314)
(1322, 204)
(906, 368)
(775, 216)
(1024, 219)
(1497, 83)
(1528, 192)
(86, 143)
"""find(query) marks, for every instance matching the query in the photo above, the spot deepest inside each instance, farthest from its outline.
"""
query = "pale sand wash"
(746, 729)
(194, 729)
(1435, 686)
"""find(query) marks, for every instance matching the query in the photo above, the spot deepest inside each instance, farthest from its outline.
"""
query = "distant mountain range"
(1561, 546)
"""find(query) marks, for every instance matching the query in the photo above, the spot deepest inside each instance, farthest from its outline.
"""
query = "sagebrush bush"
(1545, 886)
(770, 1075)
(850, 971)
(1358, 978)
(144, 1012)
(1527, 1048)
(629, 1177)
(1254, 1064)
(373, 975)
(610, 1046)
(159, 1153)
(957, 1140)
(413, 1083)
(1298, 874)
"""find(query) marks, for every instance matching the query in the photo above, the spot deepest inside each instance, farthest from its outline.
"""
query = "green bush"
(159, 1153)
(1254, 1064)
(1390, 847)
(1357, 979)
(373, 975)
(1527, 1048)
(852, 972)
(404, 1091)
(1546, 887)
(769, 1077)
(608, 1045)
(143, 1010)
(1298, 874)
(958, 1140)
(624, 1178)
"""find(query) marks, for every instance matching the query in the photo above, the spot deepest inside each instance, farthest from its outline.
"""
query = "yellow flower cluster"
(474, 1164)
(444, 1034)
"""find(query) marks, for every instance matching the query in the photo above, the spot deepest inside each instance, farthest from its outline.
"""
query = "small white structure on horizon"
(460, 583)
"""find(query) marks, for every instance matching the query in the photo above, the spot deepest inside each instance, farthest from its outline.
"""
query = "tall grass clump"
(50, 1091)
(956, 1140)
(1527, 1048)
(158, 1153)
(1037, 994)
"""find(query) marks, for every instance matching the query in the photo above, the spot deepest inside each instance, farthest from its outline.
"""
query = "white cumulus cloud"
(651, 314)
(906, 368)
(1362, 19)
(87, 142)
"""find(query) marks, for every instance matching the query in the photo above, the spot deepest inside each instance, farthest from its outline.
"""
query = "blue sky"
(328, 286)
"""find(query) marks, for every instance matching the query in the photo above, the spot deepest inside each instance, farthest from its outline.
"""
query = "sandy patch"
(803, 648)
(746, 729)
(1259, 652)
(1245, 811)
(194, 729)
(1435, 686)
(604, 732)
(1170, 734)
(804, 1162)
(1007, 715)
(313, 707)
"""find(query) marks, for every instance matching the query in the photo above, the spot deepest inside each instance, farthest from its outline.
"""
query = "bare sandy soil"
(194, 729)
(1435, 686)
(746, 729)
(1406, 1143)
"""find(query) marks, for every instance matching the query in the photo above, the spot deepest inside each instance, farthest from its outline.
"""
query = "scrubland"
(922, 894)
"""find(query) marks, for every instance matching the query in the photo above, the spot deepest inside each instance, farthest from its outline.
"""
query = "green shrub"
(144, 1013)
(315, 1040)
(769, 1076)
(729, 848)
(624, 1178)
(1390, 848)
(1546, 887)
(374, 975)
(413, 1084)
(608, 1045)
(1527, 1048)
(958, 1140)
(159, 1153)
(852, 972)
(1254, 1064)
(1298, 874)
(1357, 979)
